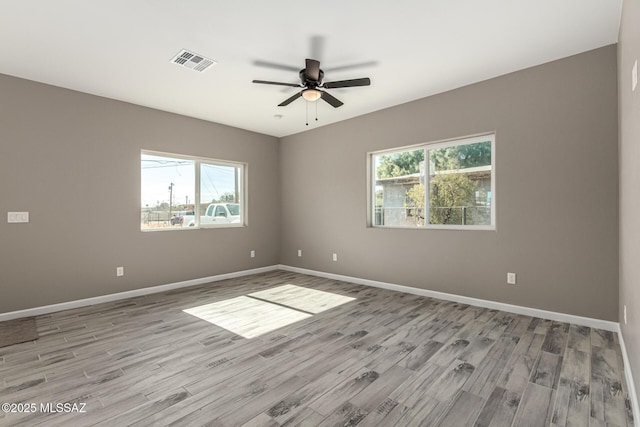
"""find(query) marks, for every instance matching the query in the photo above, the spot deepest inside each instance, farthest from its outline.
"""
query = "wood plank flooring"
(382, 359)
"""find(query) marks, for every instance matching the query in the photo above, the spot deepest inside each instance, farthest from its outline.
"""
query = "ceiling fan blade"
(265, 82)
(332, 100)
(312, 70)
(275, 65)
(317, 47)
(352, 66)
(347, 83)
(290, 100)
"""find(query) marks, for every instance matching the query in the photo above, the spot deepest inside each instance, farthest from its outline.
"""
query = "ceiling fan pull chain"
(316, 111)
(307, 106)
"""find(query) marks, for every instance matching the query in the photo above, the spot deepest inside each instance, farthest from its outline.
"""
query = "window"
(442, 185)
(187, 192)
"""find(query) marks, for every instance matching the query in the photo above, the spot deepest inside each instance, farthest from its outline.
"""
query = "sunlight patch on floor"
(305, 299)
(247, 317)
(265, 311)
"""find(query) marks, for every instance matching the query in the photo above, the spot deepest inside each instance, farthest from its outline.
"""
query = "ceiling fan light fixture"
(311, 94)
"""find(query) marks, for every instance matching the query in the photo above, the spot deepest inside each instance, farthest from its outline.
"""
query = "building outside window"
(441, 185)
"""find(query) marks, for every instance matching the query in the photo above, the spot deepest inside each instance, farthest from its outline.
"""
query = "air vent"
(193, 61)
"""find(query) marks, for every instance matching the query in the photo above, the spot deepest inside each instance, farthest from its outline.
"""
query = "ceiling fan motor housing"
(307, 81)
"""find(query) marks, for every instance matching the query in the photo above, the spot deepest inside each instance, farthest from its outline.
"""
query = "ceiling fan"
(311, 81)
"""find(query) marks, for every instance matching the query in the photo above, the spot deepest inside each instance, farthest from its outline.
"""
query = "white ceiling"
(410, 49)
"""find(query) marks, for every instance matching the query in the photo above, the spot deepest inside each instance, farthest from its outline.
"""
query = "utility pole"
(170, 199)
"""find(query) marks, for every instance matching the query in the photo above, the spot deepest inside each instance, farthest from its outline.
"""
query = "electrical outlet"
(624, 310)
(119, 271)
(511, 278)
(253, 254)
(299, 252)
(335, 257)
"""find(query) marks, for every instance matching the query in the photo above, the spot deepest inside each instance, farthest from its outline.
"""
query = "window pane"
(460, 184)
(399, 189)
(167, 191)
(220, 194)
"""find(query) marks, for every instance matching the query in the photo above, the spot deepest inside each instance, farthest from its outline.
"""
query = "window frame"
(197, 162)
(426, 146)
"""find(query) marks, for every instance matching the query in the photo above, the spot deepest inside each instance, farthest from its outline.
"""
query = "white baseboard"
(527, 311)
(37, 311)
(631, 386)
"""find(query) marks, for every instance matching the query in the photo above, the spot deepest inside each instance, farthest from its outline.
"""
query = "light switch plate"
(16, 217)
(634, 76)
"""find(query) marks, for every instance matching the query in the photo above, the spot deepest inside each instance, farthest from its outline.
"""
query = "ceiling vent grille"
(192, 61)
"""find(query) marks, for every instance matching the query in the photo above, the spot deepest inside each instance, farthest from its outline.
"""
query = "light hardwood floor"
(384, 358)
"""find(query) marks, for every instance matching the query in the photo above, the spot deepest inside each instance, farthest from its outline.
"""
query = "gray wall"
(73, 161)
(557, 191)
(629, 112)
